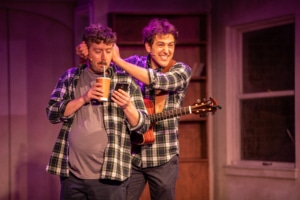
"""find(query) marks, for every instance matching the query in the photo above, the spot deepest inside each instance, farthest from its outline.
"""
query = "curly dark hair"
(95, 33)
(158, 26)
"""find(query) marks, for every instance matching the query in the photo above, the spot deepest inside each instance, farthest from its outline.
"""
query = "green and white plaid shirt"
(117, 155)
(175, 82)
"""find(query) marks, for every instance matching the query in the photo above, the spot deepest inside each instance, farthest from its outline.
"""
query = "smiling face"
(100, 56)
(162, 50)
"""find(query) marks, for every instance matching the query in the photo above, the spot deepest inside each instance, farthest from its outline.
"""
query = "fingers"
(121, 98)
(82, 50)
(95, 92)
(116, 53)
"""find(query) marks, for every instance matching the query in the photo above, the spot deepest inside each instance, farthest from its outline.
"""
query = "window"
(262, 126)
(267, 123)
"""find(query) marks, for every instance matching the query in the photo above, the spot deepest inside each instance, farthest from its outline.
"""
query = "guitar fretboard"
(170, 114)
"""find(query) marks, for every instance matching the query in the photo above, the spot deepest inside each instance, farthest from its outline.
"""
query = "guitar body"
(148, 137)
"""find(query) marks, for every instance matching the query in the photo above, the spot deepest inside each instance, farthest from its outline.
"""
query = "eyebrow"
(173, 42)
(103, 49)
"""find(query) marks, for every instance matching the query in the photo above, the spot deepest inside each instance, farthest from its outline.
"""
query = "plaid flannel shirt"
(117, 156)
(175, 82)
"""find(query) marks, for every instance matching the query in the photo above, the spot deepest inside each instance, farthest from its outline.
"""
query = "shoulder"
(71, 72)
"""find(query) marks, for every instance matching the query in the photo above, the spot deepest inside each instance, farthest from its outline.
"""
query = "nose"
(103, 55)
(166, 49)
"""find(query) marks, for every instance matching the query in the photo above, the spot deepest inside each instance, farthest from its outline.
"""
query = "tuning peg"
(216, 107)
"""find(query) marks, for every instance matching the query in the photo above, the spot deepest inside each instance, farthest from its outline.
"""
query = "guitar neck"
(170, 114)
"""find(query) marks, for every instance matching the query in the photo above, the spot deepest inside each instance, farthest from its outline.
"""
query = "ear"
(147, 47)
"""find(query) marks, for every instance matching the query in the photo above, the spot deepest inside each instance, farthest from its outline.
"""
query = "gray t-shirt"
(88, 137)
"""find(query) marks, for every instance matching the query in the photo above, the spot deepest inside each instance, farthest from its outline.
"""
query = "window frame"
(234, 164)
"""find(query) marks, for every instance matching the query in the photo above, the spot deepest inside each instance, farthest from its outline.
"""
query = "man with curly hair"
(92, 154)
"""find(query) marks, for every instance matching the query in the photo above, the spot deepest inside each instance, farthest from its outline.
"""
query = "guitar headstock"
(203, 107)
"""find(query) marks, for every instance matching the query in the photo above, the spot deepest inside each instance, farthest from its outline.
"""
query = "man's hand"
(116, 54)
(95, 92)
(132, 69)
(82, 50)
(121, 98)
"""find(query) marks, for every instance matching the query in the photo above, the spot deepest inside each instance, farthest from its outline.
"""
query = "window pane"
(268, 59)
(267, 129)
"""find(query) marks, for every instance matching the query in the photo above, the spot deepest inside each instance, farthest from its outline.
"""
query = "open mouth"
(164, 57)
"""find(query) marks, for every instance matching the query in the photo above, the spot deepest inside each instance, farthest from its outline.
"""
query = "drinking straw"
(104, 71)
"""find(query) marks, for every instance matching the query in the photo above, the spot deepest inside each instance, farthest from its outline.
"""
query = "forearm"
(137, 72)
(132, 116)
(73, 106)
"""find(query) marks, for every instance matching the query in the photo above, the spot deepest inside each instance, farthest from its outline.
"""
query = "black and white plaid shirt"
(117, 159)
(175, 82)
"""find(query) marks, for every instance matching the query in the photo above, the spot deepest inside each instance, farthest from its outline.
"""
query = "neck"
(90, 70)
(154, 65)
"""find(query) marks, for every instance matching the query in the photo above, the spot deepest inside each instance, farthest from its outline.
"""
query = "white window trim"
(234, 164)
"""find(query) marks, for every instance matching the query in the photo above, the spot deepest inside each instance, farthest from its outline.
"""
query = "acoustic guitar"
(201, 108)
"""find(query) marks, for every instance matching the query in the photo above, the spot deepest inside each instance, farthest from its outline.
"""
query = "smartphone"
(122, 86)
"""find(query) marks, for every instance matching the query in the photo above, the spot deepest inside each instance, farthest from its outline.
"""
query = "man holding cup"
(92, 154)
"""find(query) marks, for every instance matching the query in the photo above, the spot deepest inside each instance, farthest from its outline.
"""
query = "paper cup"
(105, 81)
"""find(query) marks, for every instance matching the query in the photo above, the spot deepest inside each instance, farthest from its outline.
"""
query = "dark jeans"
(161, 180)
(73, 188)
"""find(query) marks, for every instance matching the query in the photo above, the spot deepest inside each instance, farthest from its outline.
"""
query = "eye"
(98, 51)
